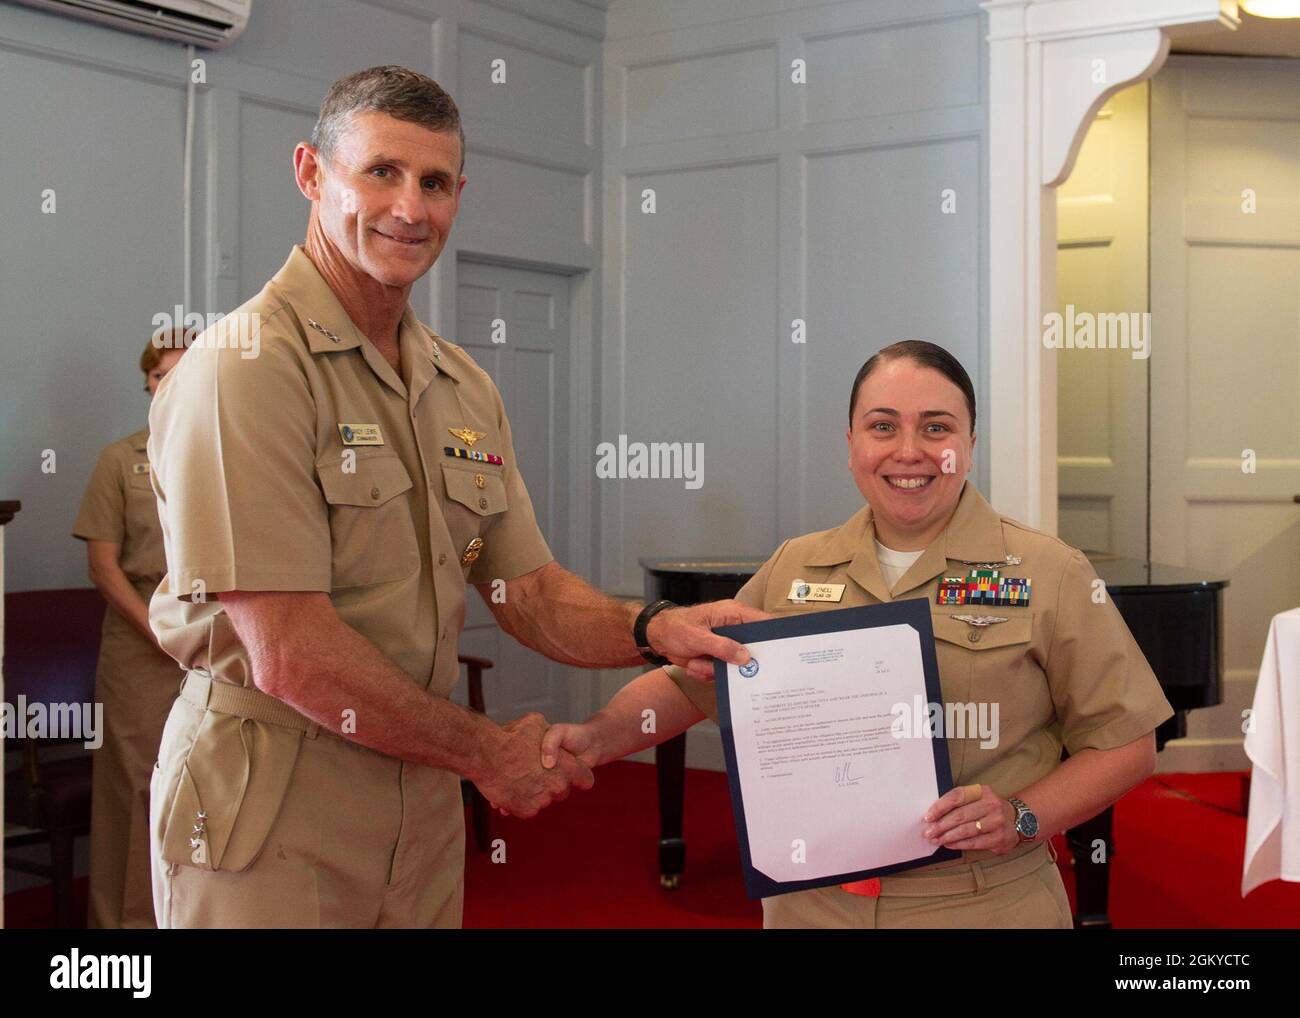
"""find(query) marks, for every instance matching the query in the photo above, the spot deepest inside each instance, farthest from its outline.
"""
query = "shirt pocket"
(141, 507)
(372, 534)
(977, 665)
(231, 789)
(475, 499)
(982, 639)
(971, 658)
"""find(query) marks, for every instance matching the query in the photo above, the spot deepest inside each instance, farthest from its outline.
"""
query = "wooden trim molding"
(1052, 64)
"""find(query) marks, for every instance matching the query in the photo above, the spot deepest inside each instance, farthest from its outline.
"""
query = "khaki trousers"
(136, 683)
(352, 838)
(1022, 890)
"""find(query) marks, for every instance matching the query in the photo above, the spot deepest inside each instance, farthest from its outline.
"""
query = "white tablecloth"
(1273, 823)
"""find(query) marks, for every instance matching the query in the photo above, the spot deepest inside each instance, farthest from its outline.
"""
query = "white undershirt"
(893, 564)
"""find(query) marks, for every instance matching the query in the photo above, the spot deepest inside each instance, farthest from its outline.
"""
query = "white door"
(1225, 367)
(515, 323)
(1101, 269)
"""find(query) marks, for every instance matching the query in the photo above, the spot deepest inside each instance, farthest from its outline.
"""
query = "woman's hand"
(580, 740)
(953, 818)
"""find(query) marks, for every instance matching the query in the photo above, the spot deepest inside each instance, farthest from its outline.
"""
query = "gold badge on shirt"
(140, 468)
(467, 435)
(801, 592)
(472, 552)
(360, 434)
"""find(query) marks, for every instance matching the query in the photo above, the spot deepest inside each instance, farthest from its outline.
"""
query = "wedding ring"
(979, 826)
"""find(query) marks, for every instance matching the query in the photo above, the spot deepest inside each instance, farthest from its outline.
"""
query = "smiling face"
(387, 197)
(910, 449)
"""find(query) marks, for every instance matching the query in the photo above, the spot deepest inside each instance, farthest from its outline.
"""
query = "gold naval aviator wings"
(467, 435)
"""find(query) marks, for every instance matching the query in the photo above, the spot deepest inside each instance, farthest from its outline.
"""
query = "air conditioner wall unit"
(210, 23)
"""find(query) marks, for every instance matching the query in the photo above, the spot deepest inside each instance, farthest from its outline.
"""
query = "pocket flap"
(180, 824)
(374, 481)
(463, 487)
(272, 751)
(236, 773)
(1017, 629)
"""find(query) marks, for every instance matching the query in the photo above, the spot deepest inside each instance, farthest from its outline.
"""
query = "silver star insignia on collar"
(980, 621)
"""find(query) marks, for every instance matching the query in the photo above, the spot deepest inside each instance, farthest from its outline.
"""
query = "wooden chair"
(51, 651)
(479, 809)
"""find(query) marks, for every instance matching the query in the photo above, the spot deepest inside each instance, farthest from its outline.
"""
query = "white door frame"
(1052, 66)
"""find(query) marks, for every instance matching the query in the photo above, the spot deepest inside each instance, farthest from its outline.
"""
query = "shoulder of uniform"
(265, 323)
(1024, 540)
(456, 354)
(117, 451)
(801, 547)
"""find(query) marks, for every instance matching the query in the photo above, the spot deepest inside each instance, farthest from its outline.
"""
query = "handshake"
(533, 764)
(526, 765)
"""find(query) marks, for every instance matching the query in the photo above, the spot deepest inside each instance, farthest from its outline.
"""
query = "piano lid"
(1121, 575)
(1134, 576)
(717, 565)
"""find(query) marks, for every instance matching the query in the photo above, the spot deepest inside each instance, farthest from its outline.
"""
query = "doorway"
(517, 325)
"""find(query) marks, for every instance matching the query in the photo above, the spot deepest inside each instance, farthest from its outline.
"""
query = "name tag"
(139, 468)
(360, 434)
(801, 592)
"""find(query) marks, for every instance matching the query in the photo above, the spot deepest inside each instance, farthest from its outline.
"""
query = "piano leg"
(1092, 879)
(670, 768)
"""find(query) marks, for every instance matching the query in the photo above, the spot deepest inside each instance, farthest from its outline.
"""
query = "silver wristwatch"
(1026, 821)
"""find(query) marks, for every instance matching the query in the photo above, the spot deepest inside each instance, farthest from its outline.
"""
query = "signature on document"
(844, 774)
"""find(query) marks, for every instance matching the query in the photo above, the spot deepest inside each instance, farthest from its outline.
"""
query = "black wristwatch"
(639, 632)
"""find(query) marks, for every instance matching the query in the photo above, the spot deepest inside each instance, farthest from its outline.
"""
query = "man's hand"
(683, 635)
(515, 782)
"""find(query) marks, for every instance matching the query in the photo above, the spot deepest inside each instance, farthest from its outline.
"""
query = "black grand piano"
(1175, 615)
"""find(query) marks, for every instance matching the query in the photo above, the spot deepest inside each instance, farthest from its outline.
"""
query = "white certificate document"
(827, 785)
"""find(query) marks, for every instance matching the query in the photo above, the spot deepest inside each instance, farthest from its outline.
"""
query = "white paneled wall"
(822, 201)
(774, 201)
(99, 116)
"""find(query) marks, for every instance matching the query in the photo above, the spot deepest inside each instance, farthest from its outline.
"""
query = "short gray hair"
(397, 91)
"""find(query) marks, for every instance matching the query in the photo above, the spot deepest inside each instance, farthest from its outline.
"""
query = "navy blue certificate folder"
(914, 613)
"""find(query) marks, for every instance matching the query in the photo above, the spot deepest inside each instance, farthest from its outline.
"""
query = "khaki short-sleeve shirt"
(1062, 671)
(288, 455)
(119, 507)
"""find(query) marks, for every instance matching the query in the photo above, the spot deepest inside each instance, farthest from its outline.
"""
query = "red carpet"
(592, 862)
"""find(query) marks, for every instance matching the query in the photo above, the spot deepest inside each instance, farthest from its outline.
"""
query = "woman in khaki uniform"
(1050, 663)
(135, 681)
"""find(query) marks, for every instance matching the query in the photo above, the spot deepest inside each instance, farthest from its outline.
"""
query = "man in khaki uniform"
(331, 474)
(134, 680)
(1062, 669)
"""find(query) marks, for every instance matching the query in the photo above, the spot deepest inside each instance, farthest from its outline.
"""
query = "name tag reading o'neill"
(360, 434)
(801, 592)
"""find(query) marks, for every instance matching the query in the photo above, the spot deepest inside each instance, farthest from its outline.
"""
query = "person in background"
(135, 681)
